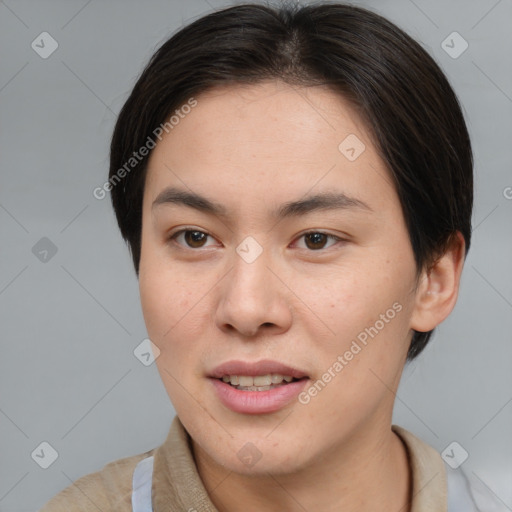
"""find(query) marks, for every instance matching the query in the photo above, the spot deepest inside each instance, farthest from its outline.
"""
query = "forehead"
(266, 139)
(272, 112)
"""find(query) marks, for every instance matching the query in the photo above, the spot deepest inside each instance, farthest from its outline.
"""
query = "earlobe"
(438, 287)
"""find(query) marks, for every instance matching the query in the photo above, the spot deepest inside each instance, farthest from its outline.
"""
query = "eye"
(316, 240)
(194, 238)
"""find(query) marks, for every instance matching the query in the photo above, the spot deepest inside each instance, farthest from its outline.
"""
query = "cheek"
(176, 310)
(165, 299)
(344, 300)
(170, 318)
(363, 309)
(165, 292)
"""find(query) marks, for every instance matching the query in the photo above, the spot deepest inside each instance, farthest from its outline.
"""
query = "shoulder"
(457, 489)
(466, 491)
(108, 489)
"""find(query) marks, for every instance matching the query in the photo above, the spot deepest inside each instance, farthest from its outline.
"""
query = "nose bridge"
(251, 297)
(250, 271)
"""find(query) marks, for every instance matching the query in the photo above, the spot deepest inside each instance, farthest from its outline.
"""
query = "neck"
(368, 473)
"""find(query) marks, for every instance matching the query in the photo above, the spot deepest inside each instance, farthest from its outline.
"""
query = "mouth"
(257, 387)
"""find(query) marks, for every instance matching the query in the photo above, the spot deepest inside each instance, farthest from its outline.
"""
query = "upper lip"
(254, 368)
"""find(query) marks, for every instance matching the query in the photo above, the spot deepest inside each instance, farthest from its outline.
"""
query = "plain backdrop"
(70, 317)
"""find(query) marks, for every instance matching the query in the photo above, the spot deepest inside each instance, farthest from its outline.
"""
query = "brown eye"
(192, 238)
(315, 240)
(195, 238)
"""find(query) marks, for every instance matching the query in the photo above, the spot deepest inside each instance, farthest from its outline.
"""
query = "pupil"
(317, 239)
(192, 237)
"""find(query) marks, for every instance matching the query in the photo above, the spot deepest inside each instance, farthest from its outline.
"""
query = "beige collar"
(428, 473)
(178, 486)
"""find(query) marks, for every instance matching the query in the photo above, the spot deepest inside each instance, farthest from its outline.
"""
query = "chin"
(259, 458)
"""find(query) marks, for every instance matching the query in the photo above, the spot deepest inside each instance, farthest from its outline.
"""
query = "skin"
(301, 302)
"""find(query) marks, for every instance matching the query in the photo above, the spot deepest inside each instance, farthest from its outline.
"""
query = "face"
(275, 245)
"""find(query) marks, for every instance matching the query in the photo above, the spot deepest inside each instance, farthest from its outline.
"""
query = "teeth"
(262, 380)
(247, 381)
(255, 388)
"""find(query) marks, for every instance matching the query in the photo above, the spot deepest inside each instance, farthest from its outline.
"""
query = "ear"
(438, 287)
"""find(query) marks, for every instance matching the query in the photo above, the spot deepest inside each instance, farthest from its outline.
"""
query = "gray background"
(70, 324)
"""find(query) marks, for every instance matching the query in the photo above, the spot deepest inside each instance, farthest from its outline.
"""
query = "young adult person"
(295, 186)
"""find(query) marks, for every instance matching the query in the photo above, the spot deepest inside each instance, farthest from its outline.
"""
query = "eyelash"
(328, 235)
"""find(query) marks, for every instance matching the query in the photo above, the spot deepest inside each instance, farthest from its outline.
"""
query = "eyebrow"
(321, 201)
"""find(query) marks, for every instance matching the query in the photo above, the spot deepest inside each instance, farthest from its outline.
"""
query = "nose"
(253, 299)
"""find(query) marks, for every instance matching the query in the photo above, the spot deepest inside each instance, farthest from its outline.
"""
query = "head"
(301, 190)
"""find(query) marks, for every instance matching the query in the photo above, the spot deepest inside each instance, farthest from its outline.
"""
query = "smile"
(257, 383)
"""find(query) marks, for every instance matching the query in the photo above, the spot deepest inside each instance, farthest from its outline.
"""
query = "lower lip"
(257, 402)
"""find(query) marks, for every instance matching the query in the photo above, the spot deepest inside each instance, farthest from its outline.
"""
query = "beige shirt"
(177, 485)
